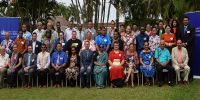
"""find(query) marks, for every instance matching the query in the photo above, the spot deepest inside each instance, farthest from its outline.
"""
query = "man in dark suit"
(187, 35)
(28, 67)
(36, 45)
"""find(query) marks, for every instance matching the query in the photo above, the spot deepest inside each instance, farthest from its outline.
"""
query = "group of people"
(105, 54)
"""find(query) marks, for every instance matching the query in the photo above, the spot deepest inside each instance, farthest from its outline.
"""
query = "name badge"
(120, 55)
(171, 39)
(149, 57)
(105, 40)
(145, 39)
(33, 60)
(22, 42)
(188, 32)
(61, 58)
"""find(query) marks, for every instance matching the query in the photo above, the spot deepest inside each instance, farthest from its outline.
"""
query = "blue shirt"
(103, 40)
(64, 44)
(140, 39)
(27, 36)
(162, 55)
(59, 58)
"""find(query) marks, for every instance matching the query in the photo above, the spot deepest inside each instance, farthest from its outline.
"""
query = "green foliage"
(178, 92)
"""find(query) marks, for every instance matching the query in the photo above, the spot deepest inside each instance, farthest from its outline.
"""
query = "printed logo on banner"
(11, 25)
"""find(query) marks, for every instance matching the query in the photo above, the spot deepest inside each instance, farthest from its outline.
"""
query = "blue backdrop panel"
(9, 24)
(195, 21)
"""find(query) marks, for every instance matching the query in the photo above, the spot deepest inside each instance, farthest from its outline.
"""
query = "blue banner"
(195, 21)
(9, 24)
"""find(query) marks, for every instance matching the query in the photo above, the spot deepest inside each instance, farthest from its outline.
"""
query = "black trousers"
(12, 76)
(160, 72)
(57, 75)
(42, 76)
(27, 80)
(85, 71)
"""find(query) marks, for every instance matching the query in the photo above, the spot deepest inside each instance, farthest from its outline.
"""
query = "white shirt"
(4, 60)
(81, 35)
(43, 59)
(40, 34)
(68, 33)
(33, 45)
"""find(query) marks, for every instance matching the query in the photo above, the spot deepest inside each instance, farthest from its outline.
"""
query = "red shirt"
(169, 38)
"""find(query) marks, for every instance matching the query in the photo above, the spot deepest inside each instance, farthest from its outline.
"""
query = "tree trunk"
(108, 15)
(96, 14)
(117, 14)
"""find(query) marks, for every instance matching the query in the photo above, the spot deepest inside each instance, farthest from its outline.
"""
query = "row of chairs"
(66, 81)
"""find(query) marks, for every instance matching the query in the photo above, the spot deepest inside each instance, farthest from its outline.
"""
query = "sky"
(112, 15)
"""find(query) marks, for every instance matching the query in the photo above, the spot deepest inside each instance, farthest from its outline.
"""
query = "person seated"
(28, 67)
(86, 62)
(180, 61)
(14, 66)
(100, 69)
(73, 65)
(43, 63)
(147, 67)
(116, 62)
(58, 63)
(4, 60)
(132, 61)
(163, 58)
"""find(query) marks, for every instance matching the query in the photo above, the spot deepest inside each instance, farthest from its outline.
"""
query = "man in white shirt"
(43, 62)
(68, 31)
(111, 30)
(91, 29)
(4, 58)
(80, 33)
(39, 31)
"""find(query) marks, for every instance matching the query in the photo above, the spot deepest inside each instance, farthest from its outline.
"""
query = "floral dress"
(72, 70)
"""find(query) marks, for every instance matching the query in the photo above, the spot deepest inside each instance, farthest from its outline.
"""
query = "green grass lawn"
(180, 92)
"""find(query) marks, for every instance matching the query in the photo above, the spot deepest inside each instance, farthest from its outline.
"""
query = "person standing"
(21, 43)
(39, 31)
(103, 39)
(187, 35)
(36, 45)
(7, 43)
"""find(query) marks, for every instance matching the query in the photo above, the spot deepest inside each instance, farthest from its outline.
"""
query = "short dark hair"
(43, 44)
(34, 33)
(89, 21)
(58, 44)
(186, 17)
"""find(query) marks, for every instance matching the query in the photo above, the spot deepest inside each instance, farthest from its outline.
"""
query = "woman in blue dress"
(146, 60)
